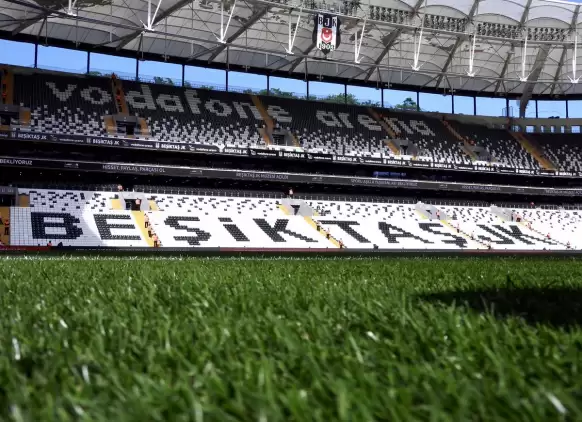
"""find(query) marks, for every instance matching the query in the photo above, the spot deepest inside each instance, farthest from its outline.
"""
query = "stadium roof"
(443, 40)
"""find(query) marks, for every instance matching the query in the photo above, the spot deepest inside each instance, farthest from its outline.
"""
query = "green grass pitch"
(291, 340)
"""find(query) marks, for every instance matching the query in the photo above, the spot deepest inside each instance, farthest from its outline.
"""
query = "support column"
(382, 95)
(36, 55)
(474, 105)
(227, 65)
(567, 110)
(417, 100)
(183, 73)
(88, 61)
(223, 28)
(137, 69)
(507, 107)
(537, 116)
(345, 93)
(453, 103)
(306, 75)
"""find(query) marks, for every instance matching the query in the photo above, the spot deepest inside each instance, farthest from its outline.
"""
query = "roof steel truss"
(281, 32)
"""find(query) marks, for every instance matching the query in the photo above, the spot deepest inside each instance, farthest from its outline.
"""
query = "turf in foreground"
(395, 339)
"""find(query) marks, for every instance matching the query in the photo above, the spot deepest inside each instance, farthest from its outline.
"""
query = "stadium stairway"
(391, 147)
(303, 209)
(139, 217)
(117, 205)
(7, 97)
(4, 214)
(6, 90)
(119, 95)
(153, 205)
(265, 115)
(392, 135)
(534, 150)
(505, 215)
(430, 212)
(323, 232)
(7, 85)
(533, 224)
(502, 213)
(265, 136)
(294, 139)
(460, 231)
(465, 146)
(23, 201)
(110, 125)
(382, 123)
(123, 109)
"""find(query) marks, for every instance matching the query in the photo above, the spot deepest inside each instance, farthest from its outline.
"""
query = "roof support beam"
(258, 14)
(504, 68)
(565, 49)
(128, 27)
(541, 58)
(293, 32)
(166, 13)
(559, 69)
(390, 41)
(458, 43)
(151, 19)
(295, 63)
(512, 51)
(29, 22)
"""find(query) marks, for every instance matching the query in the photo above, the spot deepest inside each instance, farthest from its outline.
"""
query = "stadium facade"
(118, 161)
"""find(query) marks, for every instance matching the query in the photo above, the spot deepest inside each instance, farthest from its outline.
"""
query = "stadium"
(290, 210)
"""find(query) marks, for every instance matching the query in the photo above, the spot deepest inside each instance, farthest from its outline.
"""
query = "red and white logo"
(326, 32)
(326, 35)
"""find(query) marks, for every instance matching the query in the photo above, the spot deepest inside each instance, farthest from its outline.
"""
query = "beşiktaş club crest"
(326, 33)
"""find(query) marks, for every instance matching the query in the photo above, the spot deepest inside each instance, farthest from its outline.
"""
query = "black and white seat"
(362, 225)
(562, 225)
(195, 116)
(205, 221)
(327, 127)
(75, 218)
(504, 149)
(86, 219)
(563, 149)
(61, 104)
(432, 138)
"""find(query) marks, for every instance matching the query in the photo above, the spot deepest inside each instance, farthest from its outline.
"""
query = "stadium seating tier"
(78, 105)
(196, 116)
(505, 150)
(563, 149)
(64, 104)
(91, 219)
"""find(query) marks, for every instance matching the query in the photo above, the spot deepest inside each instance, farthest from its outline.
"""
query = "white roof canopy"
(496, 47)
